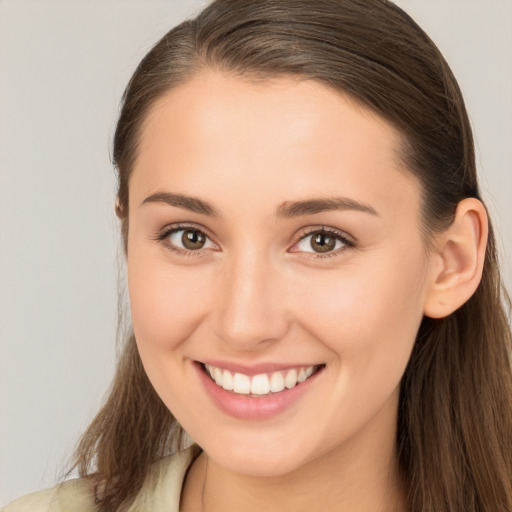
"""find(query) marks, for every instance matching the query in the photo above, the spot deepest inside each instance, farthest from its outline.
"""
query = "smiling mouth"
(263, 384)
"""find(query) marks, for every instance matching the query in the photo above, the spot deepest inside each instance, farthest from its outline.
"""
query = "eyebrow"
(193, 204)
(288, 209)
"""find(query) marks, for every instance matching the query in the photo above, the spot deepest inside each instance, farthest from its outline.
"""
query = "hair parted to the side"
(455, 417)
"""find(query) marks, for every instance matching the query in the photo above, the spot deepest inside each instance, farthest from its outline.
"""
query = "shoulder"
(73, 495)
(161, 490)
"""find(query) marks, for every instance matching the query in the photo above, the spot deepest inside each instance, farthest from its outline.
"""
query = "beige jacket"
(160, 492)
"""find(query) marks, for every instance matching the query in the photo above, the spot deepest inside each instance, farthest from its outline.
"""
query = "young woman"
(312, 274)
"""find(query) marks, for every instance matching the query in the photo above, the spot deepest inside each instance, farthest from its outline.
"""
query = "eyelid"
(168, 230)
(347, 240)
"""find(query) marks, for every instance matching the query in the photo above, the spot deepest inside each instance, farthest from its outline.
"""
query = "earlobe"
(119, 209)
(458, 260)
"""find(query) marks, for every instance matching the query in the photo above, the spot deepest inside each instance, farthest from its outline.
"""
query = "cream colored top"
(160, 493)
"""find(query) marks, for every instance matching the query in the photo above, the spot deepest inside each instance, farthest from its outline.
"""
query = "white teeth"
(290, 381)
(260, 384)
(217, 375)
(276, 382)
(227, 380)
(241, 384)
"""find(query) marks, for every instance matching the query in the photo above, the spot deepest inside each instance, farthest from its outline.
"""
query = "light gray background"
(63, 66)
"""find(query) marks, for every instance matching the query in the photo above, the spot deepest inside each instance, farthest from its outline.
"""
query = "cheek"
(368, 318)
(166, 304)
(368, 314)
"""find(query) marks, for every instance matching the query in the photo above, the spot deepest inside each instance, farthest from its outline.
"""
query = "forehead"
(219, 134)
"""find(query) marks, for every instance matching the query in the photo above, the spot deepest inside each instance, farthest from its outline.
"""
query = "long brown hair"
(454, 438)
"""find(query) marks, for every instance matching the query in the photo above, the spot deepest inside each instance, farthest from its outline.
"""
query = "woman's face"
(272, 228)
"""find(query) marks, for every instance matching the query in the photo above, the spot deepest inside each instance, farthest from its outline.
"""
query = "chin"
(258, 465)
(258, 459)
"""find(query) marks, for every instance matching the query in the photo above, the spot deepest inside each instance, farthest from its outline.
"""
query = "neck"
(361, 475)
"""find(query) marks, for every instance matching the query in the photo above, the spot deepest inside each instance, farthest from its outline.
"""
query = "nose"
(250, 309)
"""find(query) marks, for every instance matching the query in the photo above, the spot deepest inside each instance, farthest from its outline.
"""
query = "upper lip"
(255, 369)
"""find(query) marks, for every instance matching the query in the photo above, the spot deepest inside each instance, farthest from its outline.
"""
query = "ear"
(457, 260)
(119, 209)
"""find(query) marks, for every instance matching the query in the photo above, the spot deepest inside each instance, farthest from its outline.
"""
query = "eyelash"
(337, 235)
(334, 233)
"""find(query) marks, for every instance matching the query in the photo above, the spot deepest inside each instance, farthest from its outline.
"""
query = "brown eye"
(323, 242)
(193, 239)
(187, 239)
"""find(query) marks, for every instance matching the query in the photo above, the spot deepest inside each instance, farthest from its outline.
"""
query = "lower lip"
(254, 408)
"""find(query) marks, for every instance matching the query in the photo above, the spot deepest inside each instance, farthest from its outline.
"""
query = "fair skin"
(253, 292)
